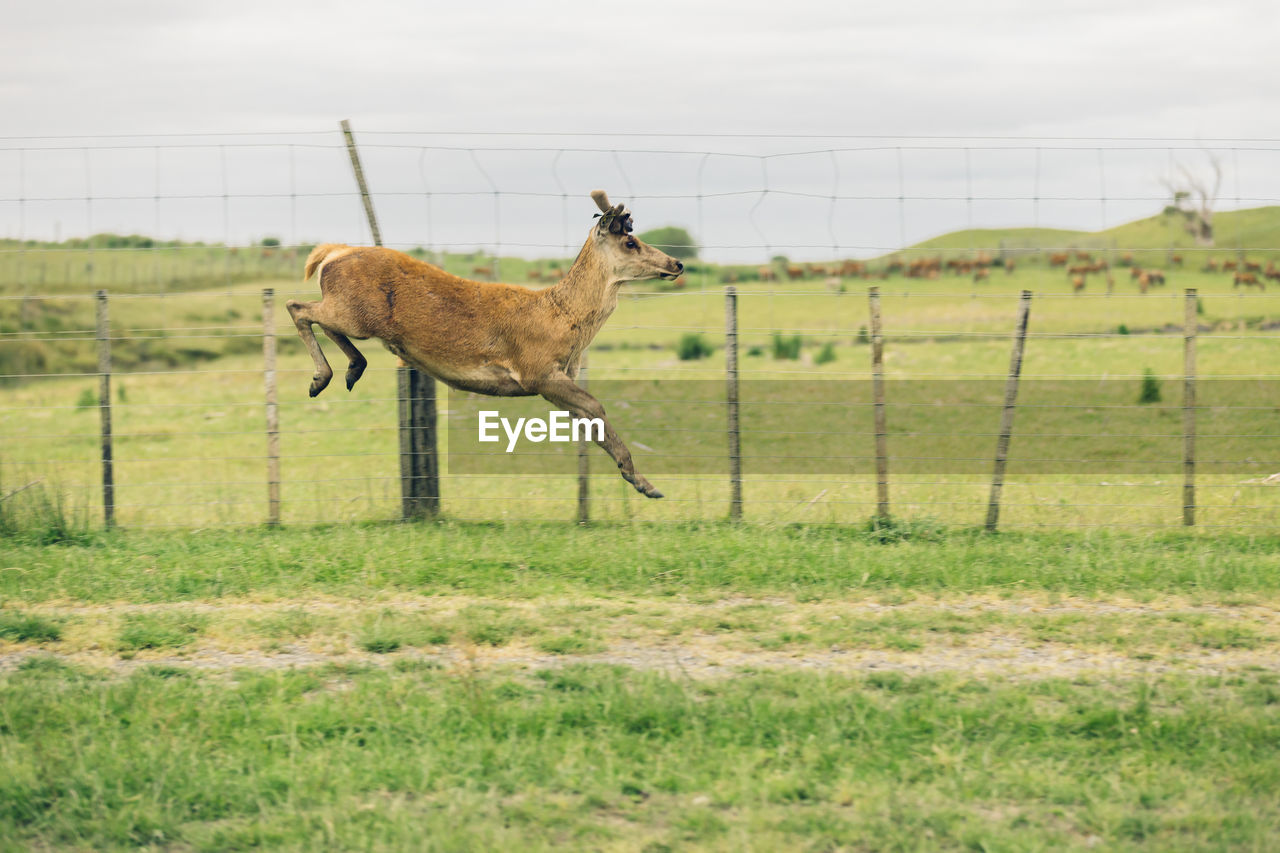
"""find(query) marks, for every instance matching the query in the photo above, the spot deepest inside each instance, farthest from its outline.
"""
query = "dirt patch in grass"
(984, 636)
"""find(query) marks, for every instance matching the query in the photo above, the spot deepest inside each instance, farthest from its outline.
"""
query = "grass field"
(1091, 677)
(453, 686)
(190, 446)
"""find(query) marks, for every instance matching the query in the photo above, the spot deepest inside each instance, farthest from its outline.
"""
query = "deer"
(1248, 279)
(502, 340)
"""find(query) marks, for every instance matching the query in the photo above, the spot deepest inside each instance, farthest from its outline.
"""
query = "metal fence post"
(731, 397)
(584, 457)
(104, 410)
(1006, 417)
(1189, 409)
(273, 408)
(877, 390)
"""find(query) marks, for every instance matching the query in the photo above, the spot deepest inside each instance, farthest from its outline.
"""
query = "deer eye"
(631, 244)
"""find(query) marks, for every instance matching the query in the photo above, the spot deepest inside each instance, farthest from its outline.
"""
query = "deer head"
(629, 258)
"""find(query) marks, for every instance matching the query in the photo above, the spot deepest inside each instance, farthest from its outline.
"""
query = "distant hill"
(1252, 228)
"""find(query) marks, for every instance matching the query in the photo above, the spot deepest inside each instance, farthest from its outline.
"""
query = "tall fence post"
(419, 461)
(104, 410)
(731, 397)
(1006, 417)
(877, 390)
(273, 408)
(584, 457)
(1189, 409)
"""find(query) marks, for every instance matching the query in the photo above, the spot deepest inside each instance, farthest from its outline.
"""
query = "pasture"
(1091, 676)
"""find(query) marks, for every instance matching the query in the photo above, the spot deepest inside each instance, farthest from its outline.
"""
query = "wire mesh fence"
(1098, 438)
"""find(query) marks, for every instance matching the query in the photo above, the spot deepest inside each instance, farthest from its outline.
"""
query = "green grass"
(591, 756)
(535, 560)
(21, 627)
(159, 630)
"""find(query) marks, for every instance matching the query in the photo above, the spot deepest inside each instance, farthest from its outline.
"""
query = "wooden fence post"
(731, 397)
(1006, 417)
(104, 410)
(584, 457)
(877, 390)
(364, 187)
(273, 408)
(419, 461)
(1189, 410)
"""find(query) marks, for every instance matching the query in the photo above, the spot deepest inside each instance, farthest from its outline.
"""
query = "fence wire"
(800, 227)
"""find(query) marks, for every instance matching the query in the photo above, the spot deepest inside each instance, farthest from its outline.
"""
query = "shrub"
(675, 241)
(785, 347)
(826, 355)
(1150, 392)
(692, 347)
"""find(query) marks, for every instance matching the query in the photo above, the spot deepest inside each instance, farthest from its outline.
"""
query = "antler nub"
(615, 219)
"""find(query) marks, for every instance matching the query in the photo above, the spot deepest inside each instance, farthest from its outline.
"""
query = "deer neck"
(588, 294)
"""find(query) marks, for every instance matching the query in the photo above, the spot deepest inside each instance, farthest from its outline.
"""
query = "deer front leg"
(565, 393)
(356, 360)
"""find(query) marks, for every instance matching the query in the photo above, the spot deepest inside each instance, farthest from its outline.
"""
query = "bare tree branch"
(1202, 194)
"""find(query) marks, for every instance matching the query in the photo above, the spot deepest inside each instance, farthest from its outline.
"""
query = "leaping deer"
(502, 340)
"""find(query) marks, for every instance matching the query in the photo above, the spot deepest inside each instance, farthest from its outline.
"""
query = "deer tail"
(318, 256)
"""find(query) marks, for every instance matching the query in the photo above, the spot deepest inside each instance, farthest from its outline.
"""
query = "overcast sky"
(1181, 71)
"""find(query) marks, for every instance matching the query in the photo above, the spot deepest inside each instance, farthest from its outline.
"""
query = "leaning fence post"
(364, 187)
(104, 410)
(584, 457)
(1189, 410)
(273, 408)
(419, 462)
(1006, 417)
(877, 390)
(731, 397)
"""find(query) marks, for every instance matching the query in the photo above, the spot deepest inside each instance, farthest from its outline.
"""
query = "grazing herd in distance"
(1077, 264)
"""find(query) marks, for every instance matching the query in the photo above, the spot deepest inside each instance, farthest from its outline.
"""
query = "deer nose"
(679, 266)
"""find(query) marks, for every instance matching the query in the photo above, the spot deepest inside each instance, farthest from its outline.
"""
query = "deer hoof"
(642, 485)
(318, 384)
(354, 372)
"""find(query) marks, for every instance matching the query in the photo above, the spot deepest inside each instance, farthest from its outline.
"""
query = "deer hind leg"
(304, 314)
(356, 360)
(564, 392)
